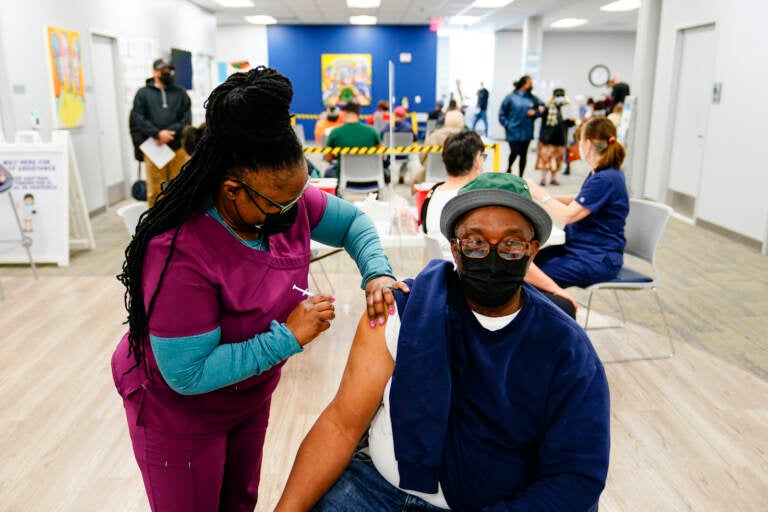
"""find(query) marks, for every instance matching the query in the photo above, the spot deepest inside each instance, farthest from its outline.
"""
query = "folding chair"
(645, 225)
(435, 168)
(399, 139)
(131, 214)
(361, 173)
(431, 125)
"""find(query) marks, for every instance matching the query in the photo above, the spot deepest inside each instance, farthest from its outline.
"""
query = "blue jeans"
(362, 489)
(481, 115)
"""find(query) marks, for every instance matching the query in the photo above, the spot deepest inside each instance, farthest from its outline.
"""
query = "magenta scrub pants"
(198, 453)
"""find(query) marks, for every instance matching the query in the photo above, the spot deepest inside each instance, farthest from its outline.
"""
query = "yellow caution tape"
(364, 150)
(381, 150)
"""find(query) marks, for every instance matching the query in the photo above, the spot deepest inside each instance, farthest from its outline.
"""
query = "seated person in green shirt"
(349, 135)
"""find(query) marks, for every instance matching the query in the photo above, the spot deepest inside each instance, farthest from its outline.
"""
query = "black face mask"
(275, 223)
(166, 78)
(492, 281)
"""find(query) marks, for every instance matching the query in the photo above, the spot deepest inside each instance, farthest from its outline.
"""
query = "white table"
(389, 241)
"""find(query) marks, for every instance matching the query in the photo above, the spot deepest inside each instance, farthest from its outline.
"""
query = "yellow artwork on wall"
(345, 77)
(66, 77)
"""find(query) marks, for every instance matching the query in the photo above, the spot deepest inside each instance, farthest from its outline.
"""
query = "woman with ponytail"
(594, 219)
(215, 279)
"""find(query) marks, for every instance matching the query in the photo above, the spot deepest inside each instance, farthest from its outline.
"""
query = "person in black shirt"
(553, 137)
(482, 107)
(619, 91)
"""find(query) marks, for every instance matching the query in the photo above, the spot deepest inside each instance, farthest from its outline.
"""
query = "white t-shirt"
(434, 209)
(380, 440)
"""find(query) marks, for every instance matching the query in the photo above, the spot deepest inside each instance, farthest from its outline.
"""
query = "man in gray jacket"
(160, 110)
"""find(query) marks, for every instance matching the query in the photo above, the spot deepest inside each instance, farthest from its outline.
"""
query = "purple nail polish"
(373, 324)
(391, 311)
(381, 321)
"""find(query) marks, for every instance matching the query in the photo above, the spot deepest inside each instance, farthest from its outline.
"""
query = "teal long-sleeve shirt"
(198, 364)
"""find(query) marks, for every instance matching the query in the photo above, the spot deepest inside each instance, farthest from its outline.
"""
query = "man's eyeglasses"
(508, 249)
(284, 208)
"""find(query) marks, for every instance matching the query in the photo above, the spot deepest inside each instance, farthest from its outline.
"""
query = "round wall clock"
(599, 75)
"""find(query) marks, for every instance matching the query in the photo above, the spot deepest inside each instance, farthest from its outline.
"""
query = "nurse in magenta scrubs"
(211, 283)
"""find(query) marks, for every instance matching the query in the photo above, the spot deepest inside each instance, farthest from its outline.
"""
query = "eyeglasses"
(284, 208)
(484, 156)
(508, 249)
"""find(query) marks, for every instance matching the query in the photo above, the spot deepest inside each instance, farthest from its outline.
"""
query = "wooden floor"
(688, 433)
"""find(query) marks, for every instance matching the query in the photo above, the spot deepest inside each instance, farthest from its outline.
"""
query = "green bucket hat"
(496, 189)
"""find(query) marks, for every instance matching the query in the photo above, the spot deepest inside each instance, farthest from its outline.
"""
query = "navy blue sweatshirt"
(509, 420)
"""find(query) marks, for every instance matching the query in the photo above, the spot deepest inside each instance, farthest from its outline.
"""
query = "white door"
(110, 130)
(691, 109)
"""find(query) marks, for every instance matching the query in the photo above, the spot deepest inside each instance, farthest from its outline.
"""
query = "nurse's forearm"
(344, 225)
(192, 365)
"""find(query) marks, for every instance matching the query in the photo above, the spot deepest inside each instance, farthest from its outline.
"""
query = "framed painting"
(67, 88)
(346, 77)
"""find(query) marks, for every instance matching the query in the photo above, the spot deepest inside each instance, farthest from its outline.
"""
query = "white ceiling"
(419, 12)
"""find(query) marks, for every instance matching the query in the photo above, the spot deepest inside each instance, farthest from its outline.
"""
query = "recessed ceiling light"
(491, 4)
(261, 19)
(363, 4)
(621, 5)
(362, 19)
(463, 20)
(234, 3)
(568, 23)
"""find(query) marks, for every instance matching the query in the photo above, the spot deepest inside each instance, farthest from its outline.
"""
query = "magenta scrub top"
(214, 280)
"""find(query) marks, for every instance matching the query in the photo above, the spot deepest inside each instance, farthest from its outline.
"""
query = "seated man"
(480, 394)
(351, 134)
(328, 122)
(463, 157)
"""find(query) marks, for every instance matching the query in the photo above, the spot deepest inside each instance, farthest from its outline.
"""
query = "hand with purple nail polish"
(380, 298)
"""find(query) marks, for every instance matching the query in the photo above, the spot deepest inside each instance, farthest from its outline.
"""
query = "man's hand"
(531, 112)
(165, 136)
(311, 317)
(379, 297)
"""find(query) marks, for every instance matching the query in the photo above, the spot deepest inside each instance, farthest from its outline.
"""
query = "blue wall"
(295, 51)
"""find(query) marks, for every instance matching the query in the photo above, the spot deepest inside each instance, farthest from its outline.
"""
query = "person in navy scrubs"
(594, 219)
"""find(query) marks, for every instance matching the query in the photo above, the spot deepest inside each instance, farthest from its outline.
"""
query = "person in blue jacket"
(594, 218)
(478, 395)
(517, 113)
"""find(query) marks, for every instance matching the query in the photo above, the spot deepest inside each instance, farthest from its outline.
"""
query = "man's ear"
(535, 246)
(231, 188)
(455, 249)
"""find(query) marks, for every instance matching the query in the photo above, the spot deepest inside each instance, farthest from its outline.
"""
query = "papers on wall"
(160, 155)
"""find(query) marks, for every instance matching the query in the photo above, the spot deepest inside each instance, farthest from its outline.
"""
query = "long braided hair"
(248, 129)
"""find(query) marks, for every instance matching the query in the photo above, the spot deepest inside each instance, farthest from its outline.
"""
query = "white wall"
(471, 60)
(734, 177)
(566, 59)
(173, 23)
(507, 65)
(238, 42)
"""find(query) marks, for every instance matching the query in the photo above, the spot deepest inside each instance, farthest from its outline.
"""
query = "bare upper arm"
(369, 368)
